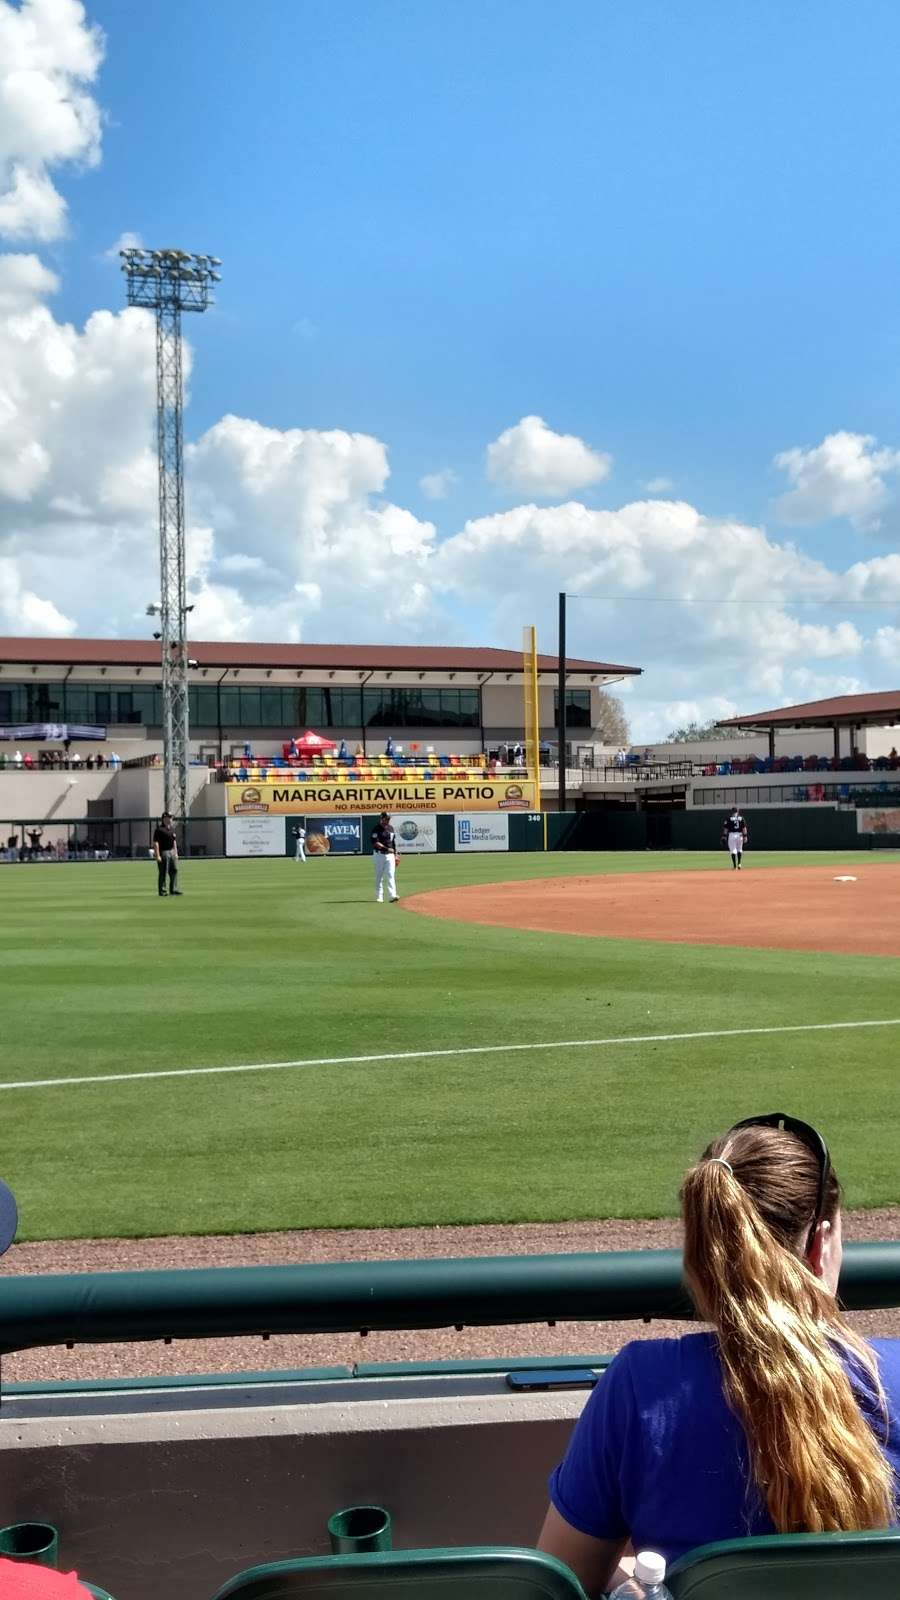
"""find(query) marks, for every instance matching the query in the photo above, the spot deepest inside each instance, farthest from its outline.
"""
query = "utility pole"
(561, 697)
(169, 282)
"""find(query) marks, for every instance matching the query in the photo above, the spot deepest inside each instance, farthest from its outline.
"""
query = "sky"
(515, 298)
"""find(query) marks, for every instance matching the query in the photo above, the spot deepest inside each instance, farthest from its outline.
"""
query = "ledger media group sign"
(478, 832)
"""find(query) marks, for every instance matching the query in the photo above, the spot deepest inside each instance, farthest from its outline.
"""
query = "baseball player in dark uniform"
(734, 834)
(384, 851)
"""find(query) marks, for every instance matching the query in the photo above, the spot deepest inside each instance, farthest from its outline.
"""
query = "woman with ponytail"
(779, 1420)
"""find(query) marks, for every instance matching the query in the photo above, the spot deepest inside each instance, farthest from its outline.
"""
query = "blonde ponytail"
(814, 1458)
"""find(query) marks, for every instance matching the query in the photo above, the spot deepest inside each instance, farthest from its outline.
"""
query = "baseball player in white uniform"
(734, 834)
(384, 851)
(299, 832)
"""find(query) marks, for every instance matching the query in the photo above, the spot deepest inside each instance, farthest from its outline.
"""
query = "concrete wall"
(179, 1497)
(48, 797)
(52, 796)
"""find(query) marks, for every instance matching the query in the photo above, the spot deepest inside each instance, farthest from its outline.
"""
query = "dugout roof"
(881, 710)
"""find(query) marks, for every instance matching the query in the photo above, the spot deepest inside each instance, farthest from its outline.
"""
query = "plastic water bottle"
(649, 1581)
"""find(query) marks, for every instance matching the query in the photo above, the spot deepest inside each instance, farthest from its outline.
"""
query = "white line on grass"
(429, 1055)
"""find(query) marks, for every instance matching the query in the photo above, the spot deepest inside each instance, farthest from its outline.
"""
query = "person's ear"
(819, 1250)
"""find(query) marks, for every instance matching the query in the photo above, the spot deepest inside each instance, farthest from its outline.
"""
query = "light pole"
(561, 697)
(169, 282)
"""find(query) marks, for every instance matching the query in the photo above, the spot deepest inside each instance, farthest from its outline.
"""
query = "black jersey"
(384, 839)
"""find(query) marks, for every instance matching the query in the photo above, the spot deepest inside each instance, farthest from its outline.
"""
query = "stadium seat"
(796, 1566)
(486, 1573)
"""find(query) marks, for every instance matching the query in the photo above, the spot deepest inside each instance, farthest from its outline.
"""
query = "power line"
(709, 600)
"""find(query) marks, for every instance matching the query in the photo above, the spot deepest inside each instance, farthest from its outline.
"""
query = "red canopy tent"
(308, 744)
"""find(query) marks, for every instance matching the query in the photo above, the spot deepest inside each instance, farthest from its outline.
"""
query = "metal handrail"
(354, 1297)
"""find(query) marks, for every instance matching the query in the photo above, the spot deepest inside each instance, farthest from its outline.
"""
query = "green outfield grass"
(266, 961)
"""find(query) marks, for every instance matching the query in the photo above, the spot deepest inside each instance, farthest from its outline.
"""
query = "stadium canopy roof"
(880, 710)
(356, 658)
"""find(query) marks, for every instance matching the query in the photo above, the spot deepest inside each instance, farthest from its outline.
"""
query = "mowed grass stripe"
(267, 961)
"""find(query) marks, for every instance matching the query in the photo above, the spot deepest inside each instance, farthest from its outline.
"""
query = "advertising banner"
(877, 821)
(333, 836)
(479, 832)
(416, 835)
(254, 836)
(438, 794)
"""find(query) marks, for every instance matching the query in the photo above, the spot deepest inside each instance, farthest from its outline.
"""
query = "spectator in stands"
(781, 1419)
(35, 836)
(12, 847)
(17, 759)
(19, 1580)
(99, 761)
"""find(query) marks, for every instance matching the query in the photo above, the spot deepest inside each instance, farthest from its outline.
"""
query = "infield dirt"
(783, 908)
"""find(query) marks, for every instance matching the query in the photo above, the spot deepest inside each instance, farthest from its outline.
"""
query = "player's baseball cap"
(385, 814)
(9, 1217)
(20, 1580)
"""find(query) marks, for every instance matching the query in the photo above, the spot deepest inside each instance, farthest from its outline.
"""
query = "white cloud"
(625, 563)
(24, 280)
(531, 459)
(291, 535)
(49, 56)
(844, 476)
(658, 485)
(23, 612)
(437, 485)
(125, 241)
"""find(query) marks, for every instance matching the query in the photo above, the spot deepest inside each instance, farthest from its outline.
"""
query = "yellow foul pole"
(532, 718)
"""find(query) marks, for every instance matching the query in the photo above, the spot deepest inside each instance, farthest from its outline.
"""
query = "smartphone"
(553, 1378)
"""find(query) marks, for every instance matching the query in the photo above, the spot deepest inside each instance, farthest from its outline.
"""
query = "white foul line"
(465, 1050)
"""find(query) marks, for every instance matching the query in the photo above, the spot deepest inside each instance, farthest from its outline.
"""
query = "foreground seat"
(486, 1573)
(796, 1566)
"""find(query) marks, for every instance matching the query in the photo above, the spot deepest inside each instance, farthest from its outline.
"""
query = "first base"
(846, 878)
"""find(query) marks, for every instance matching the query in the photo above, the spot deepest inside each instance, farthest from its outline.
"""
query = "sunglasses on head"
(812, 1140)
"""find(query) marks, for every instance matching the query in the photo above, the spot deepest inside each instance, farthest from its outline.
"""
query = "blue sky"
(670, 232)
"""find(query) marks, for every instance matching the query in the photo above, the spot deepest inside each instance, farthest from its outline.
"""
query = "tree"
(701, 730)
(612, 723)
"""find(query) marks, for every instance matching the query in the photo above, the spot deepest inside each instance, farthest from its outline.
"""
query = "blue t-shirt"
(658, 1457)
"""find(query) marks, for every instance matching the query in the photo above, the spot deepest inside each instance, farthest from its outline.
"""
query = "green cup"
(360, 1528)
(36, 1542)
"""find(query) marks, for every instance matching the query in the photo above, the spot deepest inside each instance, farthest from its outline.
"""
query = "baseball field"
(275, 1051)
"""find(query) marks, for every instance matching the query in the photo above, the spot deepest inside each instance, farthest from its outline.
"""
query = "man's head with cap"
(9, 1218)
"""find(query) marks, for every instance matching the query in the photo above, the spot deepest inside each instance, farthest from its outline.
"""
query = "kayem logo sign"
(416, 834)
(476, 831)
(333, 836)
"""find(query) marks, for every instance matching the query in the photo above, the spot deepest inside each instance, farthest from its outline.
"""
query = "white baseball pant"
(385, 867)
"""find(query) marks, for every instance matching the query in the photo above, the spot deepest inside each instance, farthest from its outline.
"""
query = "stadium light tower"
(170, 282)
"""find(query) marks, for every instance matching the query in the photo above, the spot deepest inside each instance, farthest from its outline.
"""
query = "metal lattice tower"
(170, 282)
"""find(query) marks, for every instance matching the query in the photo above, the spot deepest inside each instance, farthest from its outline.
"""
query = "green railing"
(101, 1308)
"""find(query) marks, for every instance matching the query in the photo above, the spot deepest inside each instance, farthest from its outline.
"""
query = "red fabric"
(19, 1580)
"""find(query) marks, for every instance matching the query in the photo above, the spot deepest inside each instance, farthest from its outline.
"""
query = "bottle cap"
(650, 1567)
